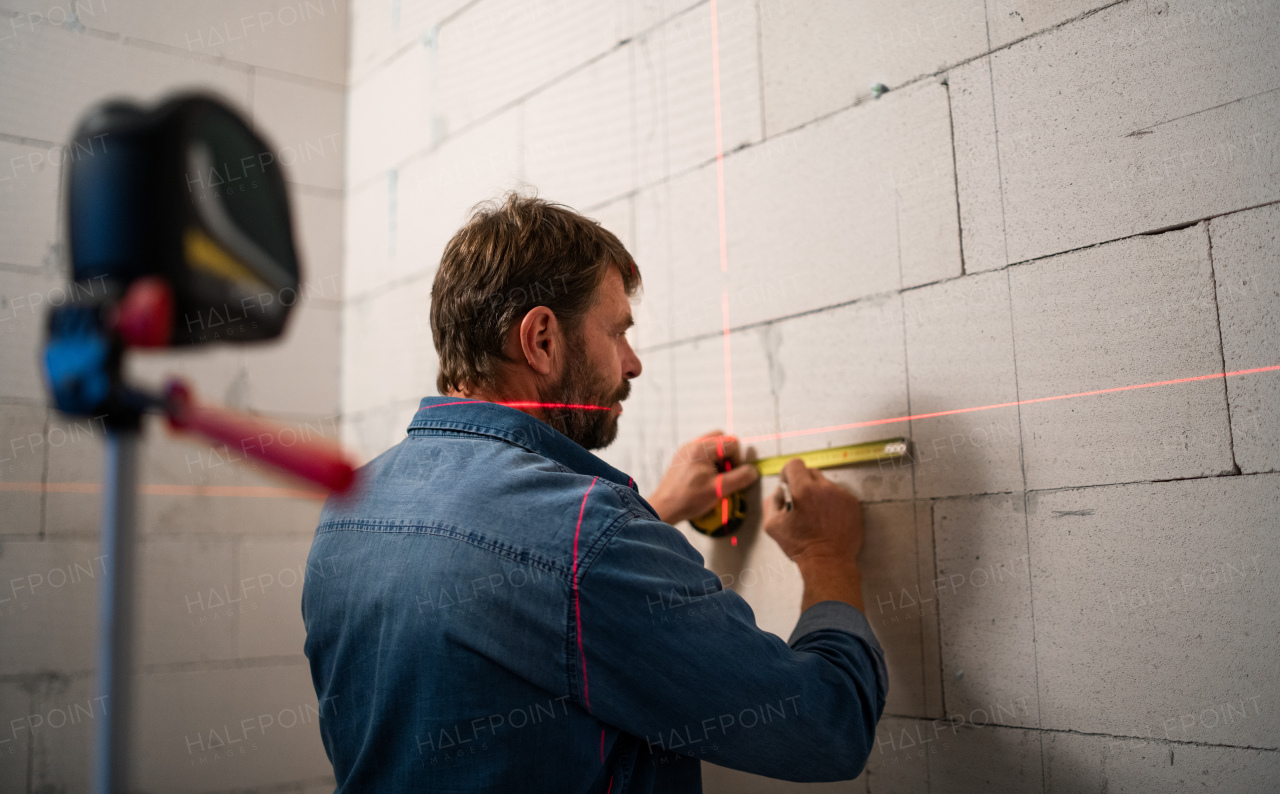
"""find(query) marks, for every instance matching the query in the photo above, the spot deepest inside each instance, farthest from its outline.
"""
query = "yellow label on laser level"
(870, 452)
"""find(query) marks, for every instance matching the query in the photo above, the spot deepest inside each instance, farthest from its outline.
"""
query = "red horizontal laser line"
(525, 405)
(893, 420)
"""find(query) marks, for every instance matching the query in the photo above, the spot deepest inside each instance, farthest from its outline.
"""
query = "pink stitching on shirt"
(577, 602)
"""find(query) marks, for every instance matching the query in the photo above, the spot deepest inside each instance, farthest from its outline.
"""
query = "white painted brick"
(49, 605)
(1128, 313)
(215, 372)
(371, 432)
(303, 124)
(983, 759)
(896, 763)
(1010, 20)
(271, 619)
(647, 439)
(25, 297)
(616, 217)
(304, 38)
(637, 16)
(57, 75)
(432, 196)
(820, 57)
(368, 254)
(15, 704)
(702, 401)
(960, 355)
(387, 352)
(438, 191)
(215, 513)
(298, 374)
(1078, 763)
(317, 226)
(678, 252)
(74, 465)
(824, 382)
(983, 598)
(855, 205)
(1245, 264)
(1150, 604)
(496, 52)
(896, 552)
(377, 32)
(29, 179)
(1126, 122)
(172, 472)
(390, 115)
(579, 142)
(186, 460)
(24, 444)
(185, 609)
(673, 63)
(65, 711)
(176, 708)
(931, 665)
(977, 166)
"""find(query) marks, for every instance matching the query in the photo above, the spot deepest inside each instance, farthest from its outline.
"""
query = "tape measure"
(727, 516)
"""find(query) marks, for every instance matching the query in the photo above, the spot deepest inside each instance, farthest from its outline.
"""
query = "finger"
(696, 449)
(740, 477)
(774, 504)
(719, 447)
(794, 471)
(801, 478)
(728, 447)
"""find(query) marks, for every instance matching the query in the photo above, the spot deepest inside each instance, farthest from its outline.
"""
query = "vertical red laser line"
(724, 244)
(715, 91)
(577, 601)
(724, 503)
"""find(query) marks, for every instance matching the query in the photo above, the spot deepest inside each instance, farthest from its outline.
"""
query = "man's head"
(531, 302)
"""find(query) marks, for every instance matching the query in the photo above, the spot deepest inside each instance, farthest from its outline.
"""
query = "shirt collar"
(514, 427)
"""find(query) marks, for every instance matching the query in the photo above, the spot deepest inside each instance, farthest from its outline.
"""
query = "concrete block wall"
(223, 544)
(1053, 200)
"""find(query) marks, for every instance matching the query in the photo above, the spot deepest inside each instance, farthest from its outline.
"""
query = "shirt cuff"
(834, 615)
(844, 617)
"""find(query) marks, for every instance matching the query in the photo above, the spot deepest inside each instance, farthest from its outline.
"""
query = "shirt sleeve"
(665, 653)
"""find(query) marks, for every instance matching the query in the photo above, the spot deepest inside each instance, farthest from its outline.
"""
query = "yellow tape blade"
(869, 452)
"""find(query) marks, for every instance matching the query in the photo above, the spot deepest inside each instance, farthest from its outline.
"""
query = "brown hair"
(510, 256)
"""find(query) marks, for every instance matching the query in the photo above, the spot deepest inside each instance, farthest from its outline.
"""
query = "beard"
(581, 385)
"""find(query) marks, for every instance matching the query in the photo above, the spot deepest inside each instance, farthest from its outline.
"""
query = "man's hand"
(692, 486)
(822, 534)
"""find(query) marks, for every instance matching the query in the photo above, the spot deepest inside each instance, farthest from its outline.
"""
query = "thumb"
(739, 477)
(773, 505)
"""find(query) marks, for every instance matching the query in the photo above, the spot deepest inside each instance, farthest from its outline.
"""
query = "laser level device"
(178, 233)
(727, 516)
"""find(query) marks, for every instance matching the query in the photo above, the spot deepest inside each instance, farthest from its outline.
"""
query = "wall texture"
(1054, 197)
(225, 697)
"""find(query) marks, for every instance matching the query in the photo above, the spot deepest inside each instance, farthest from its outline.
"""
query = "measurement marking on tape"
(867, 452)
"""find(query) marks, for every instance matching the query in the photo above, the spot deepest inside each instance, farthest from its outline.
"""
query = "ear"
(540, 340)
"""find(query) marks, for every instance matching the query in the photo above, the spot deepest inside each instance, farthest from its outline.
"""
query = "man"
(500, 610)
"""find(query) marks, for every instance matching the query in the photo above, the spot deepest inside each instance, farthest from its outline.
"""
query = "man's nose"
(631, 366)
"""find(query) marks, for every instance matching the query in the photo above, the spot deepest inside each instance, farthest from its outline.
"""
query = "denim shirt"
(497, 609)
